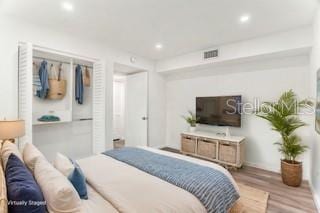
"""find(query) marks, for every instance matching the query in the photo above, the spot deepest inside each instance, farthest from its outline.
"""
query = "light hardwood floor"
(283, 199)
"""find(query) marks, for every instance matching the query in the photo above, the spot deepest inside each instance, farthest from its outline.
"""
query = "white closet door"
(99, 118)
(25, 91)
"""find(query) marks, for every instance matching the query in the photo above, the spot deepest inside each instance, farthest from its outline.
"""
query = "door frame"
(148, 93)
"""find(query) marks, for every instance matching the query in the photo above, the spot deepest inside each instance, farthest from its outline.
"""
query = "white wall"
(270, 44)
(157, 110)
(265, 80)
(14, 31)
(314, 67)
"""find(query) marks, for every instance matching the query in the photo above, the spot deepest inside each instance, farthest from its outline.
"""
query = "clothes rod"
(84, 119)
(63, 62)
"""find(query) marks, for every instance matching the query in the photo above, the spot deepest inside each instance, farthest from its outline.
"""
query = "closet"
(56, 119)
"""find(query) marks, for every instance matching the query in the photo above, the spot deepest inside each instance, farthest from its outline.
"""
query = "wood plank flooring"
(283, 199)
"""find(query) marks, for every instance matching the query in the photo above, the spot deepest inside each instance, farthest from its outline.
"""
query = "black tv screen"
(219, 111)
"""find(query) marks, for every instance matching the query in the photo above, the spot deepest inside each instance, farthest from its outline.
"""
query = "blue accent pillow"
(78, 181)
(24, 194)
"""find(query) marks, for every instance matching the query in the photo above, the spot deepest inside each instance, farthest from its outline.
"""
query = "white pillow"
(7, 149)
(30, 155)
(3, 190)
(63, 164)
(57, 190)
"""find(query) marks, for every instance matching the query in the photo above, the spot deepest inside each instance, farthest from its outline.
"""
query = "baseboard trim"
(158, 147)
(264, 167)
(316, 197)
(171, 146)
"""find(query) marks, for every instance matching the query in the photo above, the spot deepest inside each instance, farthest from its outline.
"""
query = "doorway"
(130, 106)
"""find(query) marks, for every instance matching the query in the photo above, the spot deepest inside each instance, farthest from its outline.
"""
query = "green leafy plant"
(283, 117)
(191, 119)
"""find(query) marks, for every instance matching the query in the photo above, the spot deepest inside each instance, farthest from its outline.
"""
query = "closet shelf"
(65, 116)
(38, 123)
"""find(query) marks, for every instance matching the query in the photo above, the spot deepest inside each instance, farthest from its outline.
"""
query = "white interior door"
(136, 124)
(119, 109)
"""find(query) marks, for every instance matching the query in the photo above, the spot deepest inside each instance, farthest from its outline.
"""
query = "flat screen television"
(219, 111)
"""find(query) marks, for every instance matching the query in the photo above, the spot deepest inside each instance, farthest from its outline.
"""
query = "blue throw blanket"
(213, 188)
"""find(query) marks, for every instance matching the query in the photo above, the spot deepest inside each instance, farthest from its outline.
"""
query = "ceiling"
(182, 26)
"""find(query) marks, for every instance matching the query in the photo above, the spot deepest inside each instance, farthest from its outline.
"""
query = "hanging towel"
(44, 80)
(79, 85)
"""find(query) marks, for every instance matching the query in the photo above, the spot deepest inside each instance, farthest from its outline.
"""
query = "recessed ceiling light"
(133, 60)
(244, 18)
(67, 6)
(158, 46)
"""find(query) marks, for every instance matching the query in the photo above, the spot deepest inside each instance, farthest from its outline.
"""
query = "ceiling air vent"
(211, 54)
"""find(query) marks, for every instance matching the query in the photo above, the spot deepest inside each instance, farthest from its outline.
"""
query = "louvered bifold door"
(25, 91)
(99, 108)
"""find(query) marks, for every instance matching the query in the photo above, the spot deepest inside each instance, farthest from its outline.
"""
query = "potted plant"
(191, 120)
(283, 117)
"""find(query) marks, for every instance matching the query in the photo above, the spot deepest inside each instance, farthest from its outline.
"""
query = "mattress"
(130, 190)
(96, 203)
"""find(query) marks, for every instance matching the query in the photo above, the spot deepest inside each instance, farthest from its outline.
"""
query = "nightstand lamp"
(9, 130)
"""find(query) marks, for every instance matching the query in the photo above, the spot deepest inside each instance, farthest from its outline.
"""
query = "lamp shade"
(11, 129)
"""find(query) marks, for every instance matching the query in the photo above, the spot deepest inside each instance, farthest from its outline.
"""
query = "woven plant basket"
(291, 173)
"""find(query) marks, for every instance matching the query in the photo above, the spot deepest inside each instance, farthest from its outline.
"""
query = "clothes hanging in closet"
(86, 77)
(43, 90)
(79, 85)
(36, 80)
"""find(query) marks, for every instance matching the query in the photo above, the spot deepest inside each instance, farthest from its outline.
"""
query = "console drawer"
(228, 152)
(207, 148)
(188, 144)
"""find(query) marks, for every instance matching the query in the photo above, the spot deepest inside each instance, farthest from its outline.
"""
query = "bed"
(115, 185)
(130, 189)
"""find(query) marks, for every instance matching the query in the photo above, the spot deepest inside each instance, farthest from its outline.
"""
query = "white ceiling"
(182, 26)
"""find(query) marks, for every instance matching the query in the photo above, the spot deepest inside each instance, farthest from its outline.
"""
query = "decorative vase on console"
(192, 128)
(192, 121)
(228, 132)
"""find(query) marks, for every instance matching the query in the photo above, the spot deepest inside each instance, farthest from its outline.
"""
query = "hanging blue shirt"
(44, 80)
(79, 85)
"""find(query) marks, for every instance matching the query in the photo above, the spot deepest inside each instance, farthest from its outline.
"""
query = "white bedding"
(130, 190)
(96, 203)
